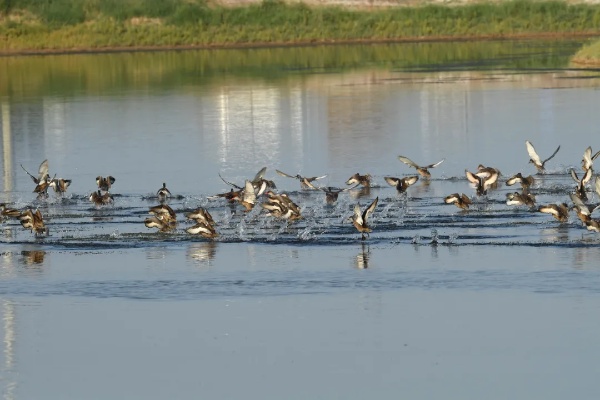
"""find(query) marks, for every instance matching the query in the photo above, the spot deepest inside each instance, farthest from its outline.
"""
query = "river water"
(498, 301)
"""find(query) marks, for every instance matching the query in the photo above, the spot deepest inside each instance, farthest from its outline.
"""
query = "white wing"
(284, 174)
(370, 209)
(43, 169)
(249, 194)
(411, 180)
(532, 154)
(436, 164)
(408, 161)
(358, 215)
(391, 181)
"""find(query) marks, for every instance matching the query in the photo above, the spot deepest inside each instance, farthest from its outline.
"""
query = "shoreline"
(309, 43)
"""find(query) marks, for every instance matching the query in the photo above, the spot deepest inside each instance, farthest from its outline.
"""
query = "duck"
(204, 230)
(422, 170)
(332, 193)
(105, 183)
(163, 218)
(33, 221)
(580, 188)
(8, 212)
(258, 182)
(559, 211)
(163, 212)
(364, 180)
(60, 185)
(360, 218)
(248, 196)
(162, 225)
(100, 199)
(588, 159)
(520, 199)
(401, 184)
(305, 182)
(281, 206)
(42, 180)
(163, 193)
(525, 182)
(535, 159)
(232, 196)
(484, 179)
(583, 211)
(201, 215)
(461, 201)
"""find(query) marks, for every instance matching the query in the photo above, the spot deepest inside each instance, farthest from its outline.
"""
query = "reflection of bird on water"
(362, 259)
(535, 159)
(305, 182)
(422, 170)
(202, 252)
(31, 257)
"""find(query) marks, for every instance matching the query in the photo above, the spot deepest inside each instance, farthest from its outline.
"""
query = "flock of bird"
(281, 206)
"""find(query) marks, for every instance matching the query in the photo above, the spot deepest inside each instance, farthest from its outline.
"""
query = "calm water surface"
(494, 302)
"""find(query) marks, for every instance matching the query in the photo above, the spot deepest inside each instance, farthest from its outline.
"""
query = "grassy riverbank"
(588, 55)
(92, 25)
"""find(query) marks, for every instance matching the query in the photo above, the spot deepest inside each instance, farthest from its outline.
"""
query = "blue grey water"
(495, 302)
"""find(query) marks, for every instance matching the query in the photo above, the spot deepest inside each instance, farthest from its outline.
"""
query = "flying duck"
(359, 219)
(461, 201)
(105, 183)
(401, 184)
(422, 170)
(305, 182)
(535, 159)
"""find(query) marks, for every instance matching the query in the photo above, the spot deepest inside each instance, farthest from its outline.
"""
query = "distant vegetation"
(100, 24)
(588, 55)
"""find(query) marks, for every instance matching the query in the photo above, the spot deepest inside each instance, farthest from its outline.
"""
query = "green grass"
(589, 54)
(96, 24)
